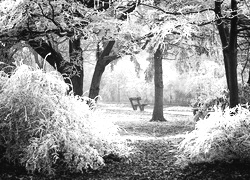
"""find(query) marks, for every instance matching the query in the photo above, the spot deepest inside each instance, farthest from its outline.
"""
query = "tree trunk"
(46, 51)
(233, 85)
(96, 79)
(229, 46)
(75, 54)
(158, 80)
(102, 61)
(55, 59)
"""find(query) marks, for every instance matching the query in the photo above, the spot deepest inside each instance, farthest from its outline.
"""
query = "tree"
(227, 24)
(33, 21)
(229, 48)
(103, 59)
(158, 80)
(36, 21)
(103, 56)
(167, 31)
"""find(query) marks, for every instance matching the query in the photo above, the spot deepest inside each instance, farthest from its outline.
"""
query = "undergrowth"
(223, 136)
(42, 128)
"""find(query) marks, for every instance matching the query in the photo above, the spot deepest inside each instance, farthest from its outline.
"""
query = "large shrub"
(220, 137)
(40, 126)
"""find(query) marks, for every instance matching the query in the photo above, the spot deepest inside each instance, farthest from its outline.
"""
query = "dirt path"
(155, 144)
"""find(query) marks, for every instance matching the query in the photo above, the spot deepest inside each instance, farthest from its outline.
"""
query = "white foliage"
(45, 123)
(222, 137)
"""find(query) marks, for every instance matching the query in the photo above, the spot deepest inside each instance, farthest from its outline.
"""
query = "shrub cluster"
(220, 137)
(41, 126)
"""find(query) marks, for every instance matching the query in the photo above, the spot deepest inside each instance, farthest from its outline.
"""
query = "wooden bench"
(135, 102)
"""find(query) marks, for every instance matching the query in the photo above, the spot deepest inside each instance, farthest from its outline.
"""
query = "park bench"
(135, 102)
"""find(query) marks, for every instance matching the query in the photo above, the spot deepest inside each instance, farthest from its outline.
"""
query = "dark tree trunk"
(96, 80)
(75, 53)
(229, 46)
(158, 80)
(103, 59)
(47, 52)
(55, 59)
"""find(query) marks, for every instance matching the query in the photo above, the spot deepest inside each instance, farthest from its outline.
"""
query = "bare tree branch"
(176, 13)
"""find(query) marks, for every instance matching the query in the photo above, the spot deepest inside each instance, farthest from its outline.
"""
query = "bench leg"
(134, 107)
(142, 108)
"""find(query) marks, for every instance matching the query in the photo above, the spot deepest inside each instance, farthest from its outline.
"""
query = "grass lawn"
(154, 151)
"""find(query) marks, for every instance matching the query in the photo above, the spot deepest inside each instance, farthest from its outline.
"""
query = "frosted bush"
(41, 126)
(220, 137)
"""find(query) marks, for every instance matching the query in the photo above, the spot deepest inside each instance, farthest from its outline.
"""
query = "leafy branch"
(53, 16)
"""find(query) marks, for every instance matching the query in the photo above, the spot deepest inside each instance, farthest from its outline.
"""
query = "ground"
(154, 154)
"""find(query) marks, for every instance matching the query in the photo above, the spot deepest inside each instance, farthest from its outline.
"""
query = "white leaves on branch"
(43, 15)
(8, 5)
(11, 14)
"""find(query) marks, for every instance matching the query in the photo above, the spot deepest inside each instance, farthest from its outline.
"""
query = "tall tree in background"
(169, 29)
(158, 81)
(228, 36)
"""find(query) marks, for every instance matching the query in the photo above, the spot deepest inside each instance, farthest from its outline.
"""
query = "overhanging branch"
(177, 13)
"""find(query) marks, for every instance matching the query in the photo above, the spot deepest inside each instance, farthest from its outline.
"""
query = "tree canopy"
(183, 27)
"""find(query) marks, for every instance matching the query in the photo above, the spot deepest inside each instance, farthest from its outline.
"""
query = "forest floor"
(154, 154)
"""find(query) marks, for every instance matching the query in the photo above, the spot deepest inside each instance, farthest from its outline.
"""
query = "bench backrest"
(135, 98)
